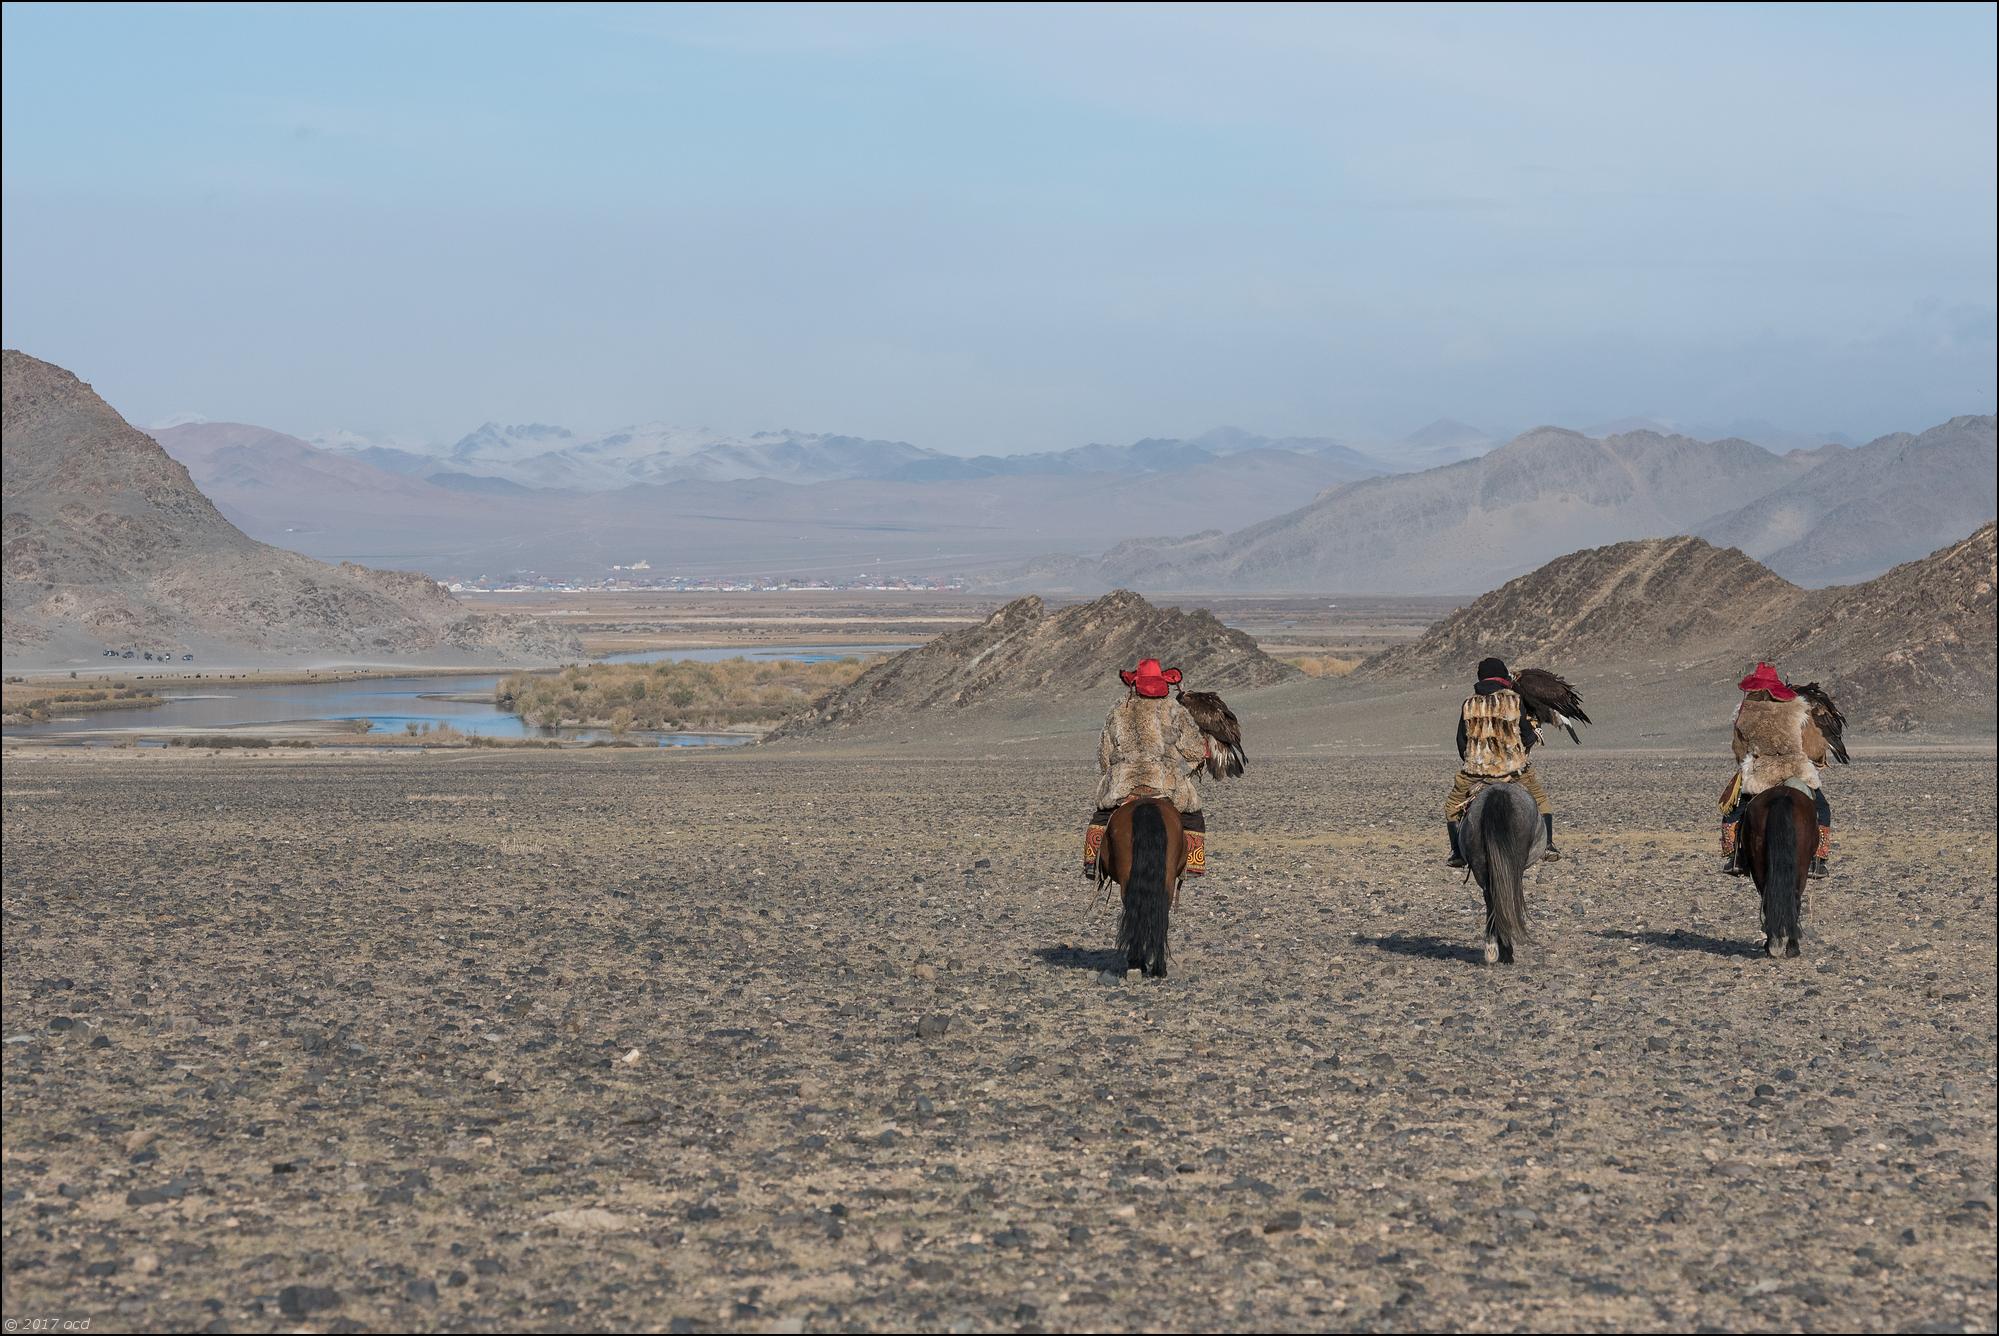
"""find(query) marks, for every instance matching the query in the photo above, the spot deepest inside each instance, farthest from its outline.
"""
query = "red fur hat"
(1149, 679)
(1765, 679)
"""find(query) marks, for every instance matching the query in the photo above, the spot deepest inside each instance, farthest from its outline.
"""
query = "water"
(389, 703)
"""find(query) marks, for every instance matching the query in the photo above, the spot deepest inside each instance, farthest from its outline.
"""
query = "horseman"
(1494, 736)
(1778, 740)
(1151, 747)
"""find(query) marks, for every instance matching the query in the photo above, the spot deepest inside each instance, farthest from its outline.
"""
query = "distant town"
(638, 578)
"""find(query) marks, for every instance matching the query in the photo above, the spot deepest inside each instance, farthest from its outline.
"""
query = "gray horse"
(1502, 837)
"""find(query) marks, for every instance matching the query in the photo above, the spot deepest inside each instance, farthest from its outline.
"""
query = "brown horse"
(1145, 853)
(1782, 835)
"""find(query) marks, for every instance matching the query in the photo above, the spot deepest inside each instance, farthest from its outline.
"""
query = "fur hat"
(1493, 668)
(1149, 679)
(1765, 679)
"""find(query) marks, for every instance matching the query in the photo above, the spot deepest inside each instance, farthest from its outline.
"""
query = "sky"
(1006, 228)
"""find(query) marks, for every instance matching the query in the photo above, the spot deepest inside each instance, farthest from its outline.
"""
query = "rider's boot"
(1825, 847)
(1548, 833)
(1093, 843)
(1731, 853)
(1457, 858)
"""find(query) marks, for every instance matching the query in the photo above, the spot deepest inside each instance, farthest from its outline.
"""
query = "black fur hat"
(1493, 668)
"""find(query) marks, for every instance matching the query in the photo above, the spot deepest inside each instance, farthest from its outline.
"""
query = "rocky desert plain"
(826, 1035)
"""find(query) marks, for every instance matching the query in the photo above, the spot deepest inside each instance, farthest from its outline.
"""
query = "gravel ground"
(490, 1041)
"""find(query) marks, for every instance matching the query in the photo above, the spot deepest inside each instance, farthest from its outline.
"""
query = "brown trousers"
(1465, 786)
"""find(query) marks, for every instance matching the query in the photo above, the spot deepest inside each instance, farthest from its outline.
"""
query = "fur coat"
(1776, 740)
(1153, 744)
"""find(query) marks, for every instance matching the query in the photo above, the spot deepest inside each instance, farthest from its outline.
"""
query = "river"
(390, 704)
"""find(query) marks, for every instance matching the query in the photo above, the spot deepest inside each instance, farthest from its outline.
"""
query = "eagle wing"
(1218, 721)
(1550, 700)
(1827, 716)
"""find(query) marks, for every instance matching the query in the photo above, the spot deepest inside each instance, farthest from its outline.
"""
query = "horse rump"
(1783, 826)
(1504, 824)
(1141, 929)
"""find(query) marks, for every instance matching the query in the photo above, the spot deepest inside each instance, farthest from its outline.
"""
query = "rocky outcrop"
(1026, 653)
(108, 544)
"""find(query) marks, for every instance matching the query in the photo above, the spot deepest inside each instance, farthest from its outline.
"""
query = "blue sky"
(1006, 228)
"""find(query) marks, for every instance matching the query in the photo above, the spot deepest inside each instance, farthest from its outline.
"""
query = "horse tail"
(1141, 929)
(1781, 869)
(1506, 845)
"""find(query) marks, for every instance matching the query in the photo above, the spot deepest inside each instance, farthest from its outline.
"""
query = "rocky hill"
(109, 544)
(1913, 649)
(1024, 653)
(1866, 509)
(1666, 599)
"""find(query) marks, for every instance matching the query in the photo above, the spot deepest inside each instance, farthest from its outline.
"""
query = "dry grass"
(673, 695)
(37, 700)
(1323, 665)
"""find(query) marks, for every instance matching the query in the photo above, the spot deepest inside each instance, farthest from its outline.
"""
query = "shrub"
(1323, 665)
(672, 694)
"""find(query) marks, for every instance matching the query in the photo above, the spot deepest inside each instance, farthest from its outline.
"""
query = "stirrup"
(1551, 855)
(1817, 869)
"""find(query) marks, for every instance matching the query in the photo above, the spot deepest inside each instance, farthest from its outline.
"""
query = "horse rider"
(1776, 742)
(1494, 737)
(1150, 747)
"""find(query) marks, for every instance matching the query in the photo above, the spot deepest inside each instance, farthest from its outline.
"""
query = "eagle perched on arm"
(1550, 700)
(1827, 716)
(1218, 721)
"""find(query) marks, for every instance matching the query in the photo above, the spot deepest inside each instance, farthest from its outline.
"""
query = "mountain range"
(109, 545)
(469, 512)
(542, 456)
(1258, 514)
(1817, 515)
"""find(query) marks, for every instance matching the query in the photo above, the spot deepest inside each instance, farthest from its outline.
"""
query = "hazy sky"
(1010, 228)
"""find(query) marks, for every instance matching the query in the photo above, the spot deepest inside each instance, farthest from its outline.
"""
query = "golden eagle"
(1218, 721)
(1550, 700)
(1827, 716)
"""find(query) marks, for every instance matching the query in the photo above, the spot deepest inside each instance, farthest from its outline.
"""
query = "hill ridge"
(110, 544)
(1025, 655)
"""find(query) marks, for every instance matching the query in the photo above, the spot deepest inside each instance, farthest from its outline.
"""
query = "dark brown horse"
(1145, 853)
(1782, 835)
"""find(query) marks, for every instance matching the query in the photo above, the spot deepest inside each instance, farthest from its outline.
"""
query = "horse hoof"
(1771, 948)
(1791, 950)
(1491, 952)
